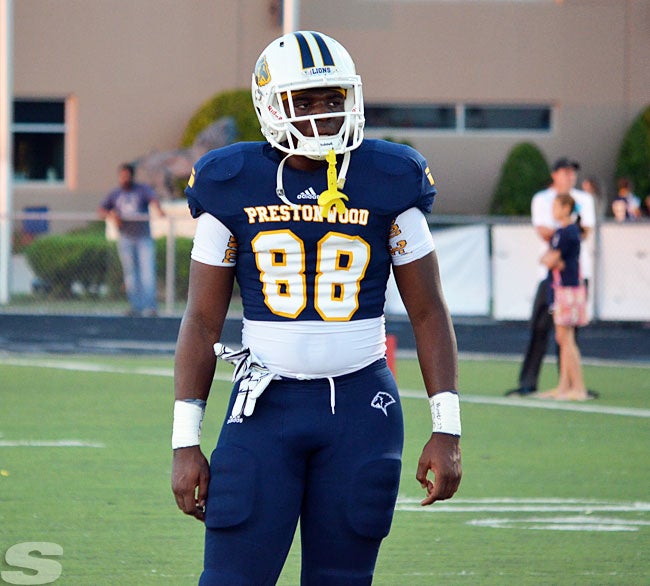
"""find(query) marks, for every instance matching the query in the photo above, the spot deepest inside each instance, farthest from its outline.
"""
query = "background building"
(100, 82)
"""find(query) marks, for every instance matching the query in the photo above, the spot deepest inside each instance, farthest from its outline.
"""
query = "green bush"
(61, 260)
(87, 265)
(634, 154)
(523, 174)
(237, 104)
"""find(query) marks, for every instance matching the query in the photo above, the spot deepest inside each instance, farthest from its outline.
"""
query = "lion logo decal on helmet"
(262, 73)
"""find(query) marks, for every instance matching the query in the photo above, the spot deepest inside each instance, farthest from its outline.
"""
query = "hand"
(190, 477)
(114, 217)
(441, 455)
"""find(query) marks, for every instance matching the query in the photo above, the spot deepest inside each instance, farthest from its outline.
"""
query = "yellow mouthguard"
(331, 196)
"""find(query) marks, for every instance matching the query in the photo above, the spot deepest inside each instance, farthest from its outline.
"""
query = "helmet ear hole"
(299, 61)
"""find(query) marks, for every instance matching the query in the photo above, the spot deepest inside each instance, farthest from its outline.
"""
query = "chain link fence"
(67, 263)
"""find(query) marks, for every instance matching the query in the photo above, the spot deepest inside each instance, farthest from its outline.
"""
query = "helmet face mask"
(300, 61)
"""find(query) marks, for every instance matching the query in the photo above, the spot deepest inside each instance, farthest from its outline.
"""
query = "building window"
(39, 139)
(479, 117)
(441, 117)
(461, 117)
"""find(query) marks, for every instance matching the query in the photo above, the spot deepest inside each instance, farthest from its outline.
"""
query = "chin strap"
(279, 188)
(331, 196)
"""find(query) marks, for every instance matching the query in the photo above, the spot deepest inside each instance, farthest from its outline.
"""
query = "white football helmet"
(299, 61)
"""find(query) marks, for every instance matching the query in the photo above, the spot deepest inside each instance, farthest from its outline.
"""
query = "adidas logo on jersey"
(308, 194)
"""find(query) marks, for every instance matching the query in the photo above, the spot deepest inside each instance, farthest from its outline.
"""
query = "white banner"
(463, 256)
(515, 271)
(623, 279)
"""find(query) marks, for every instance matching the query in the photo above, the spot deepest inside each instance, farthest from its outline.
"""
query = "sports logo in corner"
(381, 401)
(262, 73)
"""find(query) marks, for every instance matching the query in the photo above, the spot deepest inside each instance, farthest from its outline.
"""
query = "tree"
(236, 104)
(634, 154)
(523, 174)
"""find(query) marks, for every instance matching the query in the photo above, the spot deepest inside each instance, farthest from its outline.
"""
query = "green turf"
(112, 511)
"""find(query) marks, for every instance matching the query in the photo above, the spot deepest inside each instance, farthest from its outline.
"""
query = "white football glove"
(252, 375)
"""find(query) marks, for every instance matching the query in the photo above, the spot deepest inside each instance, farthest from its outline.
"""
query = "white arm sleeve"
(410, 237)
(213, 243)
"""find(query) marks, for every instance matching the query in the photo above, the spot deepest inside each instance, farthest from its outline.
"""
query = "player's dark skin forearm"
(421, 290)
(207, 305)
(209, 295)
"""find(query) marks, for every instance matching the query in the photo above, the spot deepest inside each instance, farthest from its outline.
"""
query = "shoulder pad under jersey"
(409, 168)
(393, 158)
(216, 166)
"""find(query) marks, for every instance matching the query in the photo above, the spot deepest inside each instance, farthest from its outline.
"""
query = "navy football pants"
(293, 459)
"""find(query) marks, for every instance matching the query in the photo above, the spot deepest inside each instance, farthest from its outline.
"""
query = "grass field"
(549, 495)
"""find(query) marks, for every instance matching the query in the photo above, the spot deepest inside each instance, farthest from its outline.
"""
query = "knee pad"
(372, 497)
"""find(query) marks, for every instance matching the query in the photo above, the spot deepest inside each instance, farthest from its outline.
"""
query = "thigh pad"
(372, 497)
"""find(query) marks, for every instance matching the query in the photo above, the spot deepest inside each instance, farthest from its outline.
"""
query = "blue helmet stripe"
(305, 51)
(324, 50)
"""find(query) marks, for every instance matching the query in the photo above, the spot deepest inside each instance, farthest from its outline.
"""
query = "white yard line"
(590, 407)
(524, 505)
(79, 366)
(547, 514)
(66, 443)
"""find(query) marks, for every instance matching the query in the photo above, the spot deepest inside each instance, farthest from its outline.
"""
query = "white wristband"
(188, 417)
(445, 412)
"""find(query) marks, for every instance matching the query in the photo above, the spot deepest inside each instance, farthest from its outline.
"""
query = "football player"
(309, 223)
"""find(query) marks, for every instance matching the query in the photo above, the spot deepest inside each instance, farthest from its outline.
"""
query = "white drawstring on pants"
(330, 380)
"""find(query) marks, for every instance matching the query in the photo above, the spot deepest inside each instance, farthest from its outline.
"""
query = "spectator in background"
(128, 207)
(564, 174)
(626, 195)
(619, 210)
(562, 261)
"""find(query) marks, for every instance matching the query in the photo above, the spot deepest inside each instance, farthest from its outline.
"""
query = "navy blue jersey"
(567, 241)
(291, 262)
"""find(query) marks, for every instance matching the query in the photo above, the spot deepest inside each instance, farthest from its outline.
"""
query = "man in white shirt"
(564, 174)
